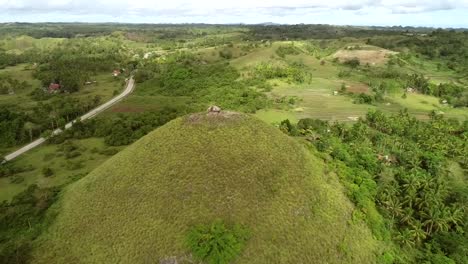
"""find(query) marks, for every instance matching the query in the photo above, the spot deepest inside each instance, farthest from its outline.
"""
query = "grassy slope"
(366, 54)
(22, 43)
(138, 206)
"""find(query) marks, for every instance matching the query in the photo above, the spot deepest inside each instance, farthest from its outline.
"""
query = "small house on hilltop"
(214, 109)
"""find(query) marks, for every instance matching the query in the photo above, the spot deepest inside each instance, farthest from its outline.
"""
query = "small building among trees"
(54, 87)
(116, 73)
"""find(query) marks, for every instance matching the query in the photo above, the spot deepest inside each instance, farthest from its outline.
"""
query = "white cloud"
(216, 11)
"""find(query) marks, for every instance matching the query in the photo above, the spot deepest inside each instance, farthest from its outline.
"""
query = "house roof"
(54, 86)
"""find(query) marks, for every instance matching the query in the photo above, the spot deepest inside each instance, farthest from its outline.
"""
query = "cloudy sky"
(436, 13)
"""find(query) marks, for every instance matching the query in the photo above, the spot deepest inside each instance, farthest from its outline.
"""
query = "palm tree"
(436, 219)
(30, 126)
(405, 238)
(454, 216)
(394, 206)
(410, 183)
(431, 217)
(443, 223)
(417, 232)
(407, 216)
(425, 200)
(410, 198)
(53, 116)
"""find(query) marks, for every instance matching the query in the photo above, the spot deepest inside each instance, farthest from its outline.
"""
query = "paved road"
(91, 114)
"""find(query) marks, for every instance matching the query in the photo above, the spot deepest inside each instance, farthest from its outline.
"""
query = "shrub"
(287, 50)
(74, 165)
(47, 172)
(353, 63)
(109, 151)
(215, 243)
(17, 179)
(287, 127)
(363, 98)
(343, 88)
(343, 73)
(226, 54)
(72, 154)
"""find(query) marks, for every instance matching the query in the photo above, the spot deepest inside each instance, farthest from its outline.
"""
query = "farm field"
(316, 99)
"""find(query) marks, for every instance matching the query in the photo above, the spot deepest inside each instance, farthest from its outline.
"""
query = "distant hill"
(138, 206)
(268, 24)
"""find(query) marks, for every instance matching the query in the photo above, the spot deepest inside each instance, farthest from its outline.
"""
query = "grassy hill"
(138, 206)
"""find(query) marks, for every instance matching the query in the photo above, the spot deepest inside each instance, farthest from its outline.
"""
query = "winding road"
(128, 89)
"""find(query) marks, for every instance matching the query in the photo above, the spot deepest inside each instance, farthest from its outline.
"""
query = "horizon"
(378, 13)
(231, 24)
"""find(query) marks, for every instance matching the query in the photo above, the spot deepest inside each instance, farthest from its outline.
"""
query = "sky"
(430, 13)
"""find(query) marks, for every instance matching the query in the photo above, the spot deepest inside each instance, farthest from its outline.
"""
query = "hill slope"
(138, 206)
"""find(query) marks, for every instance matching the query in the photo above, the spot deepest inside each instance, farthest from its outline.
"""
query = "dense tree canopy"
(398, 167)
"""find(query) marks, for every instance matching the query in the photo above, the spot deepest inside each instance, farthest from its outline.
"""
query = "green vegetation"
(379, 175)
(62, 158)
(197, 169)
(396, 170)
(215, 243)
(353, 63)
(282, 51)
(23, 220)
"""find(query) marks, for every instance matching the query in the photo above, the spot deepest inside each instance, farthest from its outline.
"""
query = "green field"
(21, 97)
(51, 156)
(316, 99)
(106, 87)
(24, 43)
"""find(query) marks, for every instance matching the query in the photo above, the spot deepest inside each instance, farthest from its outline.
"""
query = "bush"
(109, 151)
(353, 63)
(47, 172)
(226, 54)
(73, 154)
(287, 50)
(143, 75)
(363, 98)
(215, 243)
(17, 179)
(287, 127)
(343, 73)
